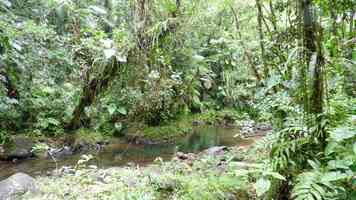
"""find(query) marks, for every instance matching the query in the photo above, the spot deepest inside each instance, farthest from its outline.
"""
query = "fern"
(288, 148)
(319, 185)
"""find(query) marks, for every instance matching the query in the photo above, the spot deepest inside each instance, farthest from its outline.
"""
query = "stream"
(123, 153)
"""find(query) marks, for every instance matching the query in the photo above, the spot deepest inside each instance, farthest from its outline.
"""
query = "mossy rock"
(85, 140)
(20, 147)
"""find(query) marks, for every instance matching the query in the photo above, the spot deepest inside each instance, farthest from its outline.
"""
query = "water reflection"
(119, 154)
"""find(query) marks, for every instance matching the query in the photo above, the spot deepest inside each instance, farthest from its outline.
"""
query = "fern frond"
(316, 185)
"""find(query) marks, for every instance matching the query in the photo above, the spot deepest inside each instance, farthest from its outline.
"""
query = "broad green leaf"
(330, 148)
(316, 194)
(97, 10)
(12, 101)
(333, 176)
(314, 164)
(122, 110)
(118, 126)
(276, 175)
(198, 58)
(262, 186)
(107, 43)
(339, 164)
(6, 3)
(53, 121)
(16, 45)
(121, 58)
(273, 81)
(169, 6)
(354, 147)
(341, 134)
(111, 109)
(318, 188)
(241, 172)
(109, 53)
(48, 90)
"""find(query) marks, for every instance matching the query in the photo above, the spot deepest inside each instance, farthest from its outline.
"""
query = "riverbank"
(31, 144)
(121, 152)
(48, 154)
(212, 174)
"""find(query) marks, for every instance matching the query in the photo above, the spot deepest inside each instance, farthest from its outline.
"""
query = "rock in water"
(59, 153)
(15, 185)
(181, 156)
(20, 148)
(264, 126)
(216, 150)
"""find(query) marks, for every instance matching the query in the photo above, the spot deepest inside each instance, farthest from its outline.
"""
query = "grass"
(199, 179)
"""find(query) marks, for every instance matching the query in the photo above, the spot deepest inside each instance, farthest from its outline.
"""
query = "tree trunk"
(108, 25)
(175, 12)
(143, 22)
(261, 36)
(352, 36)
(90, 91)
(314, 57)
(11, 90)
(335, 42)
(273, 16)
(247, 52)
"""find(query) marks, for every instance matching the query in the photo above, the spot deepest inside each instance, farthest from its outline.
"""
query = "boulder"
(197, 123)
(250, 128)
(264, 126)
(185, 156)
(181, 156)
(16, 185)
(20, 148)
(59, 153)
(82, 146)
(213, 151)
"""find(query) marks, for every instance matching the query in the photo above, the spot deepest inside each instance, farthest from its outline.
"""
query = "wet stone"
(20, 148)
(216, 150)
(15, 185)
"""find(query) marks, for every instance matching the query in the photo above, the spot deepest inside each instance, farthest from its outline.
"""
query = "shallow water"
(122, 153)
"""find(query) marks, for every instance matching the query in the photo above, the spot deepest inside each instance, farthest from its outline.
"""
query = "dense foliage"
(104, 65)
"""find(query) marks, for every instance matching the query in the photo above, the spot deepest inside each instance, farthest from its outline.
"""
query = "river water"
(123, 153)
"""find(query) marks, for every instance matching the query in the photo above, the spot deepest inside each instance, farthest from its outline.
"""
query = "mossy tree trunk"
(261, 37)
(314, 57)
(91, 90)
(11, 90)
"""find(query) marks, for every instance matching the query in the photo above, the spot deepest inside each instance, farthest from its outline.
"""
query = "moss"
(88, 136)
(208, 117)
(169, 130)
(182, 126)
(4, 137)
(220, 117)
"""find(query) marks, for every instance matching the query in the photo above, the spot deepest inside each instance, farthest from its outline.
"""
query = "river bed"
(123, 153)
